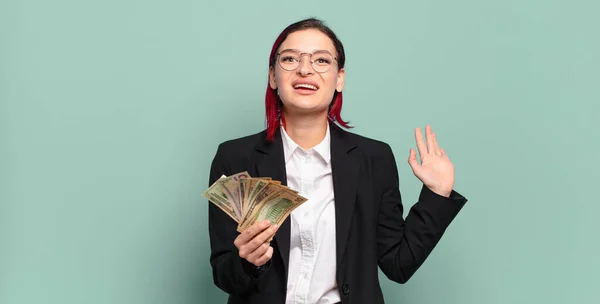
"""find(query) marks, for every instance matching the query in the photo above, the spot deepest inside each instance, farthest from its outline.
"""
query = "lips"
(305, 85)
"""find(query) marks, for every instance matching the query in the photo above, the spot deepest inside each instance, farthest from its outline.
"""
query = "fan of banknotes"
(248, 199)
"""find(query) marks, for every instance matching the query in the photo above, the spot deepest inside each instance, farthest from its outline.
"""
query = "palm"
(435, 170)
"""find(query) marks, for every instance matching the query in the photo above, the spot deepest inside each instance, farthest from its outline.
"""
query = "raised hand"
(435, 170)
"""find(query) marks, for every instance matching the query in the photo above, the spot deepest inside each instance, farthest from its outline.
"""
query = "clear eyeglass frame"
(320, 65)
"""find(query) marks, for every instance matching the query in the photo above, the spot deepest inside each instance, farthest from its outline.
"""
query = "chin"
(304, 106)
(300, 100)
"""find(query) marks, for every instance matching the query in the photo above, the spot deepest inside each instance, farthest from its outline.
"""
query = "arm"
(403, 245)
(231, 273)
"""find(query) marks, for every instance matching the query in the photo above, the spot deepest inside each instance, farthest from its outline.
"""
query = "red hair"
(273, 105)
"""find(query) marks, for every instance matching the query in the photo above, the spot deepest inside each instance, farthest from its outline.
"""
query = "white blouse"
(312, 264)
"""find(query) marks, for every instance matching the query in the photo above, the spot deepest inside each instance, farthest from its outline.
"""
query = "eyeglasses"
(321, 61)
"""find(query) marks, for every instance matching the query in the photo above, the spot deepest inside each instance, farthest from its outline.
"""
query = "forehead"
(308, 41)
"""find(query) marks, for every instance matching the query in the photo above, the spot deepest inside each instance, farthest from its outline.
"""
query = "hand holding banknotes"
(259, 206)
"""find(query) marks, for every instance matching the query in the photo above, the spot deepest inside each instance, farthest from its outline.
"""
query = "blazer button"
(345, 289)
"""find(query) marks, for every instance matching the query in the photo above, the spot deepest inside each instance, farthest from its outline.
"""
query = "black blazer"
(370, 227)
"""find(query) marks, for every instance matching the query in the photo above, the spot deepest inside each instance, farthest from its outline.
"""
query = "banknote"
(248, 187)
(216, 195)
(275, 207)
(242, 193)
(229, 188)
(256, 187)
(249, 199)
(262, 190)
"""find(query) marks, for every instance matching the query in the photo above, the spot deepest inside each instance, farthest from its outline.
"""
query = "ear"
(340, 80)
(272, 82)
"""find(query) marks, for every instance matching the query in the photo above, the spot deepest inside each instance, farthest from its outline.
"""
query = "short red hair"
(273, 103)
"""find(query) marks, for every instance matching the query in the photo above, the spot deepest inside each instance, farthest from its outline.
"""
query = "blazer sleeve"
(404, 244)
(231, 273)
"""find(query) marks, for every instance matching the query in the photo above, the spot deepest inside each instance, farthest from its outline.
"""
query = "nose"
(305, 66)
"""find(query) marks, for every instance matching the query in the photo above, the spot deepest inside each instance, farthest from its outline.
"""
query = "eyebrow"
(314, 51)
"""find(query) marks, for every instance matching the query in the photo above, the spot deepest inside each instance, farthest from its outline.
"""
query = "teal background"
(111, 112)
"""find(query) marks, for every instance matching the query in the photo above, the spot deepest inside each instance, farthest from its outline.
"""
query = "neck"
(306, 131)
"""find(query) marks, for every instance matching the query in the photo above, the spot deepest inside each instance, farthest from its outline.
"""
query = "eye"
(288, 59)
(322, 60)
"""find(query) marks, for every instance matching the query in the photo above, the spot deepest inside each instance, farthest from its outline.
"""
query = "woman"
(329, 249)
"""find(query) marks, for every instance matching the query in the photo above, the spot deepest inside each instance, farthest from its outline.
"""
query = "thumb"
(412, 160)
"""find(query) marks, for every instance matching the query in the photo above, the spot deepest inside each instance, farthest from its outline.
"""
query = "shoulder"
(371, 147)
(232, 155)
(238, 147)
(377, 157)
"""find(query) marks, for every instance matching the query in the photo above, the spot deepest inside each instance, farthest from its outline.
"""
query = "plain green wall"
(111, 112)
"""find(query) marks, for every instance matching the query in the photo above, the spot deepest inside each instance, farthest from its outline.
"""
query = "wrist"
(253, 270)
(441, 191)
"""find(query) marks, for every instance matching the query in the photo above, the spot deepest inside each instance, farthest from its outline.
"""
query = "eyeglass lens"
(290, 60)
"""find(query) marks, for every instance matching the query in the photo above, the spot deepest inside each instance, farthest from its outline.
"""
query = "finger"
(444, 155)
(258, 253)
(251, 232)
(265, 257)
(260, 239)
(267, 235)
(436, 145)
(429, 138)
(412, 159)
(420, 143)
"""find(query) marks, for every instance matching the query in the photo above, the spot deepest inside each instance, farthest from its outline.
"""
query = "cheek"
(283, 82)
(329, 84)
(332, 80)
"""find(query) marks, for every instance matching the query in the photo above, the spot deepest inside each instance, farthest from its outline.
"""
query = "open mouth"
(305, 86)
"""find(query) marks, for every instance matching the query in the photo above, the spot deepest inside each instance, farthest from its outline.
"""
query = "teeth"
(306, 86)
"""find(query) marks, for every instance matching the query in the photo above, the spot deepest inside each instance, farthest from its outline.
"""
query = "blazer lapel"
(345, 170)
(271, 163)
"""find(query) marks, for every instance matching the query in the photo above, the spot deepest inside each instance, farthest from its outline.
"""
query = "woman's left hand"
(436, 170)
